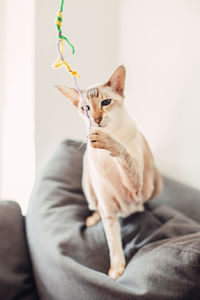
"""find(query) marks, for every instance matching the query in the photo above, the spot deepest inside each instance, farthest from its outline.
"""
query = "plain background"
(157, 41)
(160, 45)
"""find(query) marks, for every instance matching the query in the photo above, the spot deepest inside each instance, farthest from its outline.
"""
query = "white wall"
(2, 78)
(160, 46)
(91, 25)
(17, 104)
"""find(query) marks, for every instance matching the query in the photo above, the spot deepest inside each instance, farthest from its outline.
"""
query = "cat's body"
(101, 173)
(118, 170)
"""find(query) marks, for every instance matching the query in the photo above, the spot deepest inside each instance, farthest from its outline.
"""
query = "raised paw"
(100, 139)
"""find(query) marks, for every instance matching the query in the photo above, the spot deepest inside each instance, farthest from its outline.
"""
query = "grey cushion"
(16, 280)
(71, 262)
(181, 197)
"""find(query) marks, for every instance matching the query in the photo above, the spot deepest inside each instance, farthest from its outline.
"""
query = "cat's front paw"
(102, 140)
(99, 138)
(116, 272)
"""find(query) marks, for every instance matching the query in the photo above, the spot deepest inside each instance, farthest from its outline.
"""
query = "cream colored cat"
(119, 174)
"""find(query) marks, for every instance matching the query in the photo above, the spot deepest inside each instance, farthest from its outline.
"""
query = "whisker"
(81, 145)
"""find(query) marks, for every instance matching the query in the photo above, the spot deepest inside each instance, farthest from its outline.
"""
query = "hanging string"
(59, 23)
(62, 62)
(83, 100)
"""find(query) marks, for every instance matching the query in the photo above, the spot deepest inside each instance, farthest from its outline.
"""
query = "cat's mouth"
(104, 123)
(98, 125)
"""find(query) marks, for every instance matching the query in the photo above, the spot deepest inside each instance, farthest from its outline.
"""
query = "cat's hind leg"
(93, 219)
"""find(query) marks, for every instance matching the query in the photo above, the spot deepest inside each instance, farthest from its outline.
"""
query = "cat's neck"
(124, 129)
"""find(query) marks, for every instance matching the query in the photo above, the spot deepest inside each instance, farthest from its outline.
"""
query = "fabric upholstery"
(181, 197)
(16, 280)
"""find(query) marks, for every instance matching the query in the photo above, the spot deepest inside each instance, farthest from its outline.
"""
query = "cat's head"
(104, 102)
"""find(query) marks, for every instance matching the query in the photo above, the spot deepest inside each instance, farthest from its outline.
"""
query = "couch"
(50, 254)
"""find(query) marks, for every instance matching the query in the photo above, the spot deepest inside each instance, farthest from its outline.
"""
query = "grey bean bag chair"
(16, 280)
(70, 261)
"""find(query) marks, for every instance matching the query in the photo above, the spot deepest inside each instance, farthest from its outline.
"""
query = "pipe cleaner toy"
(62, 62)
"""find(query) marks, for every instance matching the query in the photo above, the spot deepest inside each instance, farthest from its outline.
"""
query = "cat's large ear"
(117, 80)
(70, 93)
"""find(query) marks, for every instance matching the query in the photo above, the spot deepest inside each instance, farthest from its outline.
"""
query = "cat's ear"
(117, 80)
(70, 93)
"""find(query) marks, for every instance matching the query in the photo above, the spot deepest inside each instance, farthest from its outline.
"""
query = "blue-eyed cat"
(119, 174)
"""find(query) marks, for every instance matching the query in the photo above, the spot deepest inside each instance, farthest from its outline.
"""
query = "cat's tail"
(158, 184)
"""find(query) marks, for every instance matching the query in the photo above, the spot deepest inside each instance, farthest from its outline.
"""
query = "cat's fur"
(119, 174)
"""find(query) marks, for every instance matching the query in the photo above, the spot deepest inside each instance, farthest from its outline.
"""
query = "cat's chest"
(108, 183)
(102, 163)
(105, 174)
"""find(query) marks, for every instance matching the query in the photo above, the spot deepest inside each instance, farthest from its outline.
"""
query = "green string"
(66, 39)
(61, 6)
(60, 31)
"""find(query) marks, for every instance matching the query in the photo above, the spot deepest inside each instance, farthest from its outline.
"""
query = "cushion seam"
(193, 251)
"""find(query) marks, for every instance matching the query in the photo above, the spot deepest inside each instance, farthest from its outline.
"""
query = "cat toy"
(62, 62)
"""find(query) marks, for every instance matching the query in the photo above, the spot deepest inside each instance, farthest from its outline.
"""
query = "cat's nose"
(98, 120)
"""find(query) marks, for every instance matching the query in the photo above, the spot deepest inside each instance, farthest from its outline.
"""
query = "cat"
(119, 174)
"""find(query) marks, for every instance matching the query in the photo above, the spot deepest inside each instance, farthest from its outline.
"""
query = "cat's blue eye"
(105, 102)
(87, 107)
